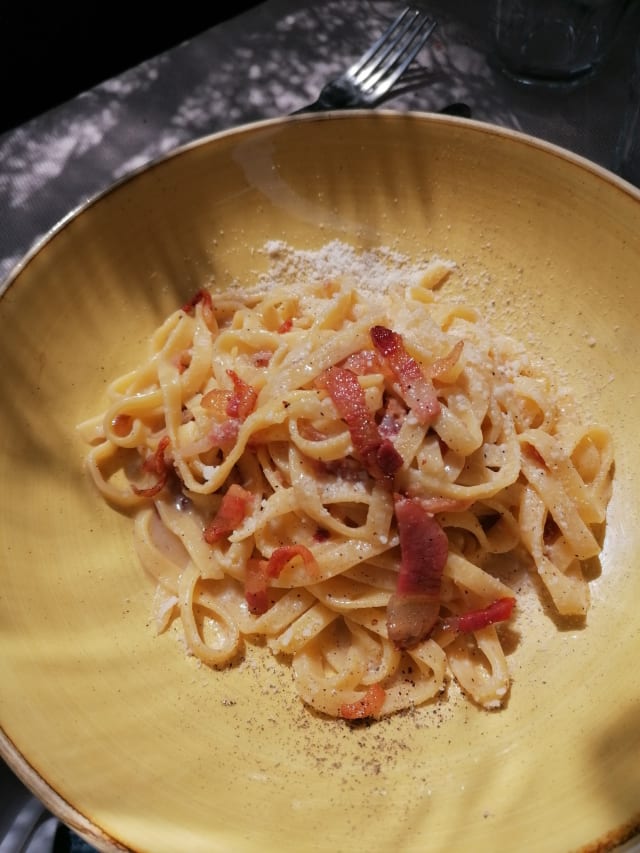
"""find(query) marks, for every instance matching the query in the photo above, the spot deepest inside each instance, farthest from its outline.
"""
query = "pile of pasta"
(337, 470)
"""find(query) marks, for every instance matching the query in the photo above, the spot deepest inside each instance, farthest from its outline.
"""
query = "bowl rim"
(487, 127)
(9, 752)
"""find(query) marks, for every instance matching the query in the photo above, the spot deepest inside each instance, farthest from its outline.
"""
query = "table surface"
(264, 63)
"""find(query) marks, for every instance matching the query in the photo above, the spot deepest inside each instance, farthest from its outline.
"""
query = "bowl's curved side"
(150, 751)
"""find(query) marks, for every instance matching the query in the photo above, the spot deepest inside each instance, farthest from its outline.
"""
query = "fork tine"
(366, 57)
(393, 67)
(392, 47)
(371, 77)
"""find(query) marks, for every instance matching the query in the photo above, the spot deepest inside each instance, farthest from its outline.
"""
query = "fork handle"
(315, 107)
(342, 98)
(458, 108)
(321, 106)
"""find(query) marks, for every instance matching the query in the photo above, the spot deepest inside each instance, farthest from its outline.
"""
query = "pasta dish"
(341, 468)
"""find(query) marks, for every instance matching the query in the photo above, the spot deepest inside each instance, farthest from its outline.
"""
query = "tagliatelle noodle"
(505, 466)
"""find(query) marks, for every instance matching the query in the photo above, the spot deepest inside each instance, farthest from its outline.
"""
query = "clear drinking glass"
(553, 42)
(627, 160)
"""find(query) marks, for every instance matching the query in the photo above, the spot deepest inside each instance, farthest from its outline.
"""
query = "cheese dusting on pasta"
(337, 468)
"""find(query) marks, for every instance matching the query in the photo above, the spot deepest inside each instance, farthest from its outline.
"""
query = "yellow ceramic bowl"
(137, 746)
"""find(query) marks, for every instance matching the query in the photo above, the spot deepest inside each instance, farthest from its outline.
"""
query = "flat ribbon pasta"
(264, 508)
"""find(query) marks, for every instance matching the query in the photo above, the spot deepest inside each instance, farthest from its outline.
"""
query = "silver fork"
(365, 83)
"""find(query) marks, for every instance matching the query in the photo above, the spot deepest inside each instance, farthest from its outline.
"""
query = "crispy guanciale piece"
(416, 386)
(414, 607)
(474, 620)
(208, 313)
(243, 399)
(415, 382)
(369, 706)
(158, 465)
(260, 572)
(378, 454)
(231, 513)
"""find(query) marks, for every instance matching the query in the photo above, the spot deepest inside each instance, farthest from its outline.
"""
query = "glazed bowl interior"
(136, 745)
